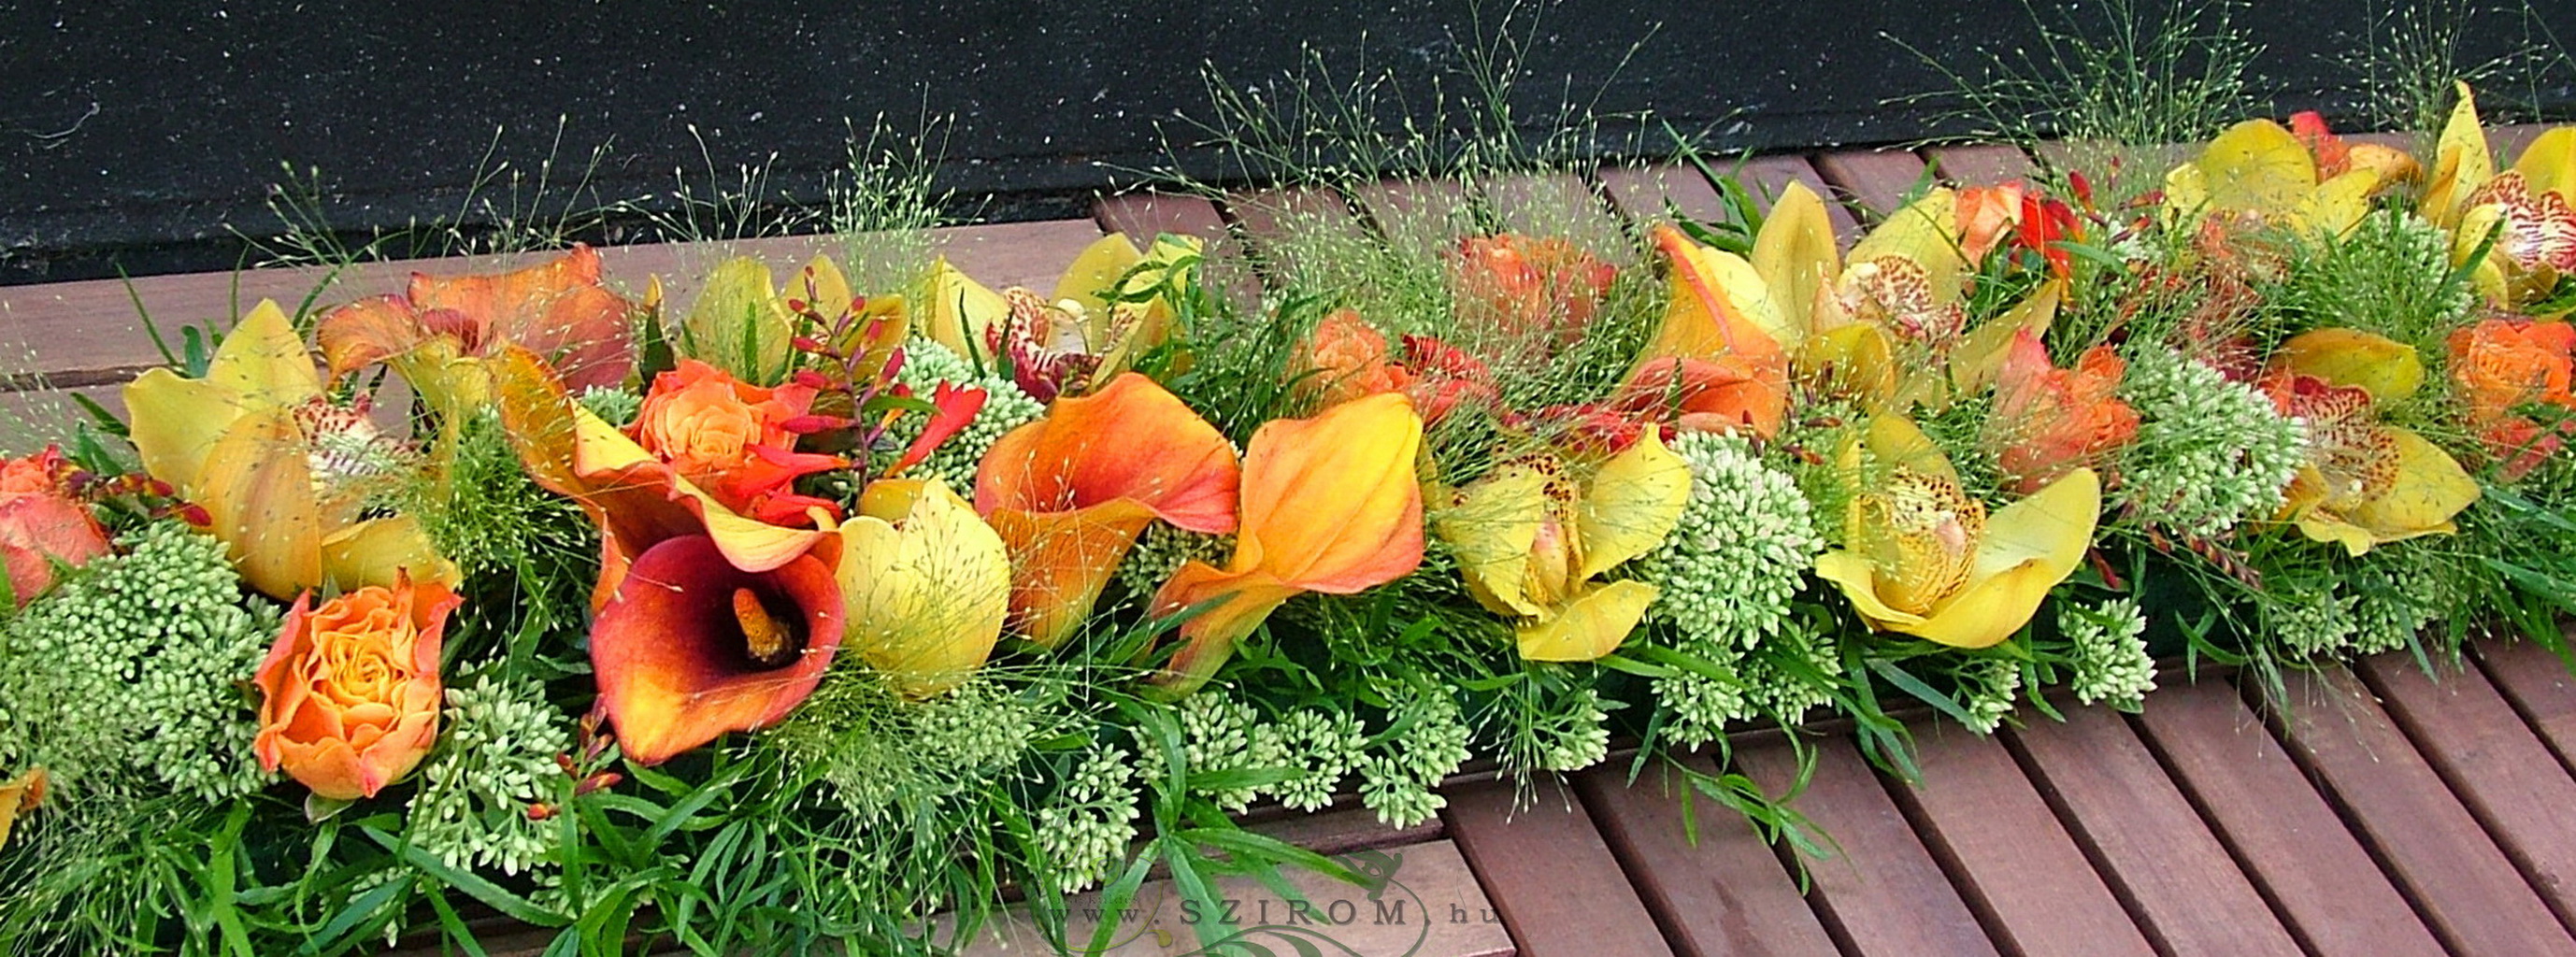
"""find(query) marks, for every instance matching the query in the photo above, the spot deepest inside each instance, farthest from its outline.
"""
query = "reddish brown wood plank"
(1272, 219)
(1420, 217)
(1644, 193)
(2540, 688)
(1883, 893)
(2318, 877)
(2009, 854)
(1980, 165)
(2493, 762)
(2145, 839)
(1877, 181)
(1142, 216)
(1003, 255)
(1728, 894)
(1556, 205)
(2458, 878)
(1766, 176)
(2508, 142)
(1547, 870)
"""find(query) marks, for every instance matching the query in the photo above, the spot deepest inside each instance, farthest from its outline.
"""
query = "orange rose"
(350, 692)
(1345, 360)
(731, 438)
(1534, 287)
(2499, 364)
(41, 523)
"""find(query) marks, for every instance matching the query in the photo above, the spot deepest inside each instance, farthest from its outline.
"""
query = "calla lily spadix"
(1331, 504)
(709, 621)
(1070, 492)
(1922, 557)
(279, 470)
(1530, 538)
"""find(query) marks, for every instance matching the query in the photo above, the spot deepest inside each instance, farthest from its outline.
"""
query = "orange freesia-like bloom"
(2049, 421)
(349, 693)
(556, 309)
(708, 621)
(1720, 343)
(1531, 288)
(2499, 364)
(1346, 359)
(1069, 493)
(731, 438)
(1330, 504)
(41, 523)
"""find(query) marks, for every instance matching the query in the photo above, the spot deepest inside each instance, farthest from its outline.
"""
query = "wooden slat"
(1641, 193)
(2009, 854)
(1727, 894)
(2318, 877)
(2459, 880)
(1268, 218)
(1142, 216)
(2538, 685)
(1558, 205)
(1766, 176)
(1559, 889)
(2508, 142)
(1341, 829)
(1980, 165)
(1883, 894)
(1877, 181)
(2494, 763)
(1003, 255)
(1420, 217)
(1427, 904)
(2145, 838)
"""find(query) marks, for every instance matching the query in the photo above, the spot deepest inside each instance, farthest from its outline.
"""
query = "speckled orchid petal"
(1330, 504)
(2429, 489)
(2026, 549)
(1924, 232)
(690, 647)
(2387, 369)
(925, 583)
(1070, 492)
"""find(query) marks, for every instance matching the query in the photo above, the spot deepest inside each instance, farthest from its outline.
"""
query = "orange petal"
(1234, 605)
(1131, 440)
(556, 308)
(1331, 503)
(1061, 560)
(366, 332)
(672, 657)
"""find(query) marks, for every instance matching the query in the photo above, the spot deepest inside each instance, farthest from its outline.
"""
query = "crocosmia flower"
(350, 692)
(2048, 421)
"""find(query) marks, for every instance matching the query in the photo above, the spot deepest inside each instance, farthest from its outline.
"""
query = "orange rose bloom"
(350, 692)
(2501, 363)
(1531, 287)
(41, 523)
(1345, 359)
(731, 438)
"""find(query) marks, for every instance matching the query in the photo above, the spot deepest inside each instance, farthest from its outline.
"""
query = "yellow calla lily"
(1530, 542)
(1923, 558)
(925, 583)
(241, 443)
(2260, 168)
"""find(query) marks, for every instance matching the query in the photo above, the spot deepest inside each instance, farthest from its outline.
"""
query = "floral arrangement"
(809, 612)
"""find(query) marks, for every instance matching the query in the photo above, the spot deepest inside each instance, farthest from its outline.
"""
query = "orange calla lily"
(1722, 321)
(1070, 492)
(1330, 504)
(20, 795)
(242, 444)
(708, 621)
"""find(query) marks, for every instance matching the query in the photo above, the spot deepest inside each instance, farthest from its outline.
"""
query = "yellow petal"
(1795, 254)
(2430, 489)
(2386, 368)
(2320, 525)
(174, 422)
(1979, 357)
(2257, 166)
(925, 591)
(2029, 547)
(382, 551)
(1853, 575)
(1898, 443)
(1927, 232)
(1719, 304)
(2186, 193)
(1631, 504)
(2461, 163)
(2336, 205)
(258, 489)
(737, 323)
(1856, 360)
(1592, 625)
(1096, 270)
(956, 310)
(1490, 530)
(264, 360)
(2549, 163)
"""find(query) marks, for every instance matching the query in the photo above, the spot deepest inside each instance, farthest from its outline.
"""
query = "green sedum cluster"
(1085, 827)
(1744, 544)
(1987, 689)
(2209, 452)
(925, 365)
(130, 676)
(495, 760)
(2111, 662)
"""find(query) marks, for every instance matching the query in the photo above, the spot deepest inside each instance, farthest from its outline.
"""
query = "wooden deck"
(2382, 813)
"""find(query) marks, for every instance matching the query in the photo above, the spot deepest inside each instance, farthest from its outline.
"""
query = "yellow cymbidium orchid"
(1922, 557)
(925, 583)
(277, 468)
(2461, 163)
(2365, 483)
(2260, 168)
(1109, 305)
(1530, 539)
(742, 324)
(1860, 321)
(2524, 217)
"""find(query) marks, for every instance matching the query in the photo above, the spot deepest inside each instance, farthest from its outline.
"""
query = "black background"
(147, 134)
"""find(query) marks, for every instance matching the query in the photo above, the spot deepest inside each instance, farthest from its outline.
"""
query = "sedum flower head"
(127, 677)
(926, 364)
(2396, 600)
(2111, 662)
(2313, 623)
(1163, 549)
(1221, 733)
(1987, 689)
(1323, 746)
(1743, 546)
(1578, 737)
(1085, 827)
(1400, 798)
(2209, 452)
(1428, 739)
(497, 758)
